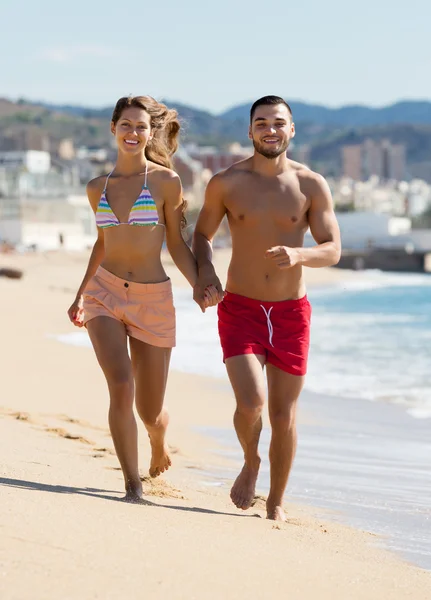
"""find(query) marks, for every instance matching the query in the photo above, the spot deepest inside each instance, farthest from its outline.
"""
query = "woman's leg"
(109, 340)
(150, 368)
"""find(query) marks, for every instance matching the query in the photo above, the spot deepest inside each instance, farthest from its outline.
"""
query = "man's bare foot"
(275, 513)
(244, 488)
(160, 459)
(133, 492)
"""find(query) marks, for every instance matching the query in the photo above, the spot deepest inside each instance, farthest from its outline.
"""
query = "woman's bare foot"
(133, 492)
(275, 513)
(243, 490)
(160, 459)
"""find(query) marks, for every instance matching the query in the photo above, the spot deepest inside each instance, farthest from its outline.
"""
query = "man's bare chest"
(283, 207)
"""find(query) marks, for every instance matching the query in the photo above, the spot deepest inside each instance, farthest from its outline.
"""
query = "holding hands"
(208, 290)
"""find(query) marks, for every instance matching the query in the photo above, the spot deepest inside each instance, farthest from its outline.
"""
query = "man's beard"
(269, 152)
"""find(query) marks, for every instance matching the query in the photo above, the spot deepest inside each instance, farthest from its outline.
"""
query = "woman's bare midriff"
(134, 253)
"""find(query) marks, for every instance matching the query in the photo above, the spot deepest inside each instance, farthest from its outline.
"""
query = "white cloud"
(67, 54)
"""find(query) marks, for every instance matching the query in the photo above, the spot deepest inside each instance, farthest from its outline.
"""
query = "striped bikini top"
(143, 212)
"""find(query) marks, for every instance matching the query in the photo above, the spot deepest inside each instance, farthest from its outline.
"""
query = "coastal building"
(194, 177)
(41, 207)
(216, 160)
(47, 223)
(30, 161)
(352, 162)
(383, 159)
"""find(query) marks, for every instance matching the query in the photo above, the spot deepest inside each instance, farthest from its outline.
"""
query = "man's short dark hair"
(268, 101)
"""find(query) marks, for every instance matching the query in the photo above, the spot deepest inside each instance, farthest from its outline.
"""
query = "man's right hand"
(76, 312)
(208, 290)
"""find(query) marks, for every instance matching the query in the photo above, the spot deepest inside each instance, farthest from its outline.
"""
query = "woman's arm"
(178, 249)
(75, 311)
(94, 261)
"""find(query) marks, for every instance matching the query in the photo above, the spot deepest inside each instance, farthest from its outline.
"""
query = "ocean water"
(369, 384)
(371, 339)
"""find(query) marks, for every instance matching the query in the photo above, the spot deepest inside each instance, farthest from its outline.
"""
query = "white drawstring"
(268, 319)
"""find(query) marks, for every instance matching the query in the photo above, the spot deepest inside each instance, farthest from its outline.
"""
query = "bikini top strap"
(106, 182)
(146, 171)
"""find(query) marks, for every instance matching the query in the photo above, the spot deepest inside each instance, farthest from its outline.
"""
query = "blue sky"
(213, 55)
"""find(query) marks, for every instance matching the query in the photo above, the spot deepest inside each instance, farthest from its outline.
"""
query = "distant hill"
(409, 111)
(196, 123)
(413, 112)
(325, 130)
(233, 123)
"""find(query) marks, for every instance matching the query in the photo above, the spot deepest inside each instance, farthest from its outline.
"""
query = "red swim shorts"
(280, 331)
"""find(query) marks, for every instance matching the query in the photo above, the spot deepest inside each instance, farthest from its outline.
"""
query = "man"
(264, 317)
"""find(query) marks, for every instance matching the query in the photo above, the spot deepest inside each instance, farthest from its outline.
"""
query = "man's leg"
(283, 394)
(245, 374)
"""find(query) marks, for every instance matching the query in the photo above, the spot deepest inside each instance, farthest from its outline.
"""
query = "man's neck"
(270, 167)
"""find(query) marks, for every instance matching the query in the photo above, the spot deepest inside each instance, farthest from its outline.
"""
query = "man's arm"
(324, 229)
(210, 217)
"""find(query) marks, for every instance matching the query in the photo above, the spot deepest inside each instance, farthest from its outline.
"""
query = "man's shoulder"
(232, 173)
(308, 177)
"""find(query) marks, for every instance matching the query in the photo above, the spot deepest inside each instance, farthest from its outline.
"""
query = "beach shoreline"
(60, 487)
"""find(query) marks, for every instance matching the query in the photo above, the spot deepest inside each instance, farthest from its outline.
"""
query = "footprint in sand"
(69, 420)
(160, 488)
(19, 416)
(68, 436)
(81, 423)
(105, 451)
(259, 502)
(22, 416)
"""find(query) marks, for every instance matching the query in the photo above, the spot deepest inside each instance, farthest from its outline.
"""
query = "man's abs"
(253, 275)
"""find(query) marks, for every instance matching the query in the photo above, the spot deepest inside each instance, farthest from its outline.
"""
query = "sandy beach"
(64, 533)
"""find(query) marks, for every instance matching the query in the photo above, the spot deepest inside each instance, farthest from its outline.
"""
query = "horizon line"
(37, 102)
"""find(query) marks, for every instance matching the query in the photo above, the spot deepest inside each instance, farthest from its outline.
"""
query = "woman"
(125, 292)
